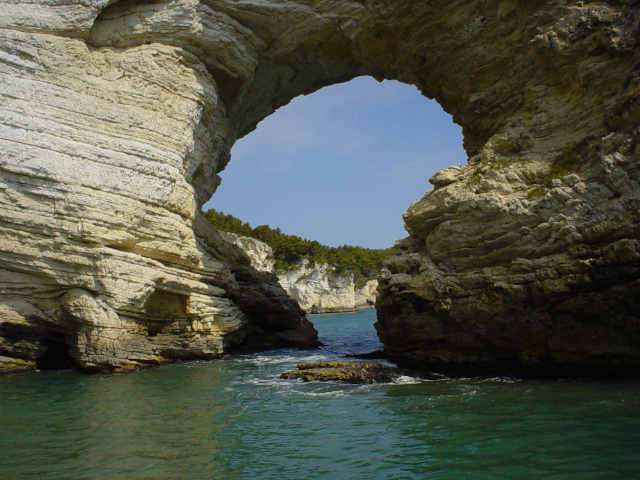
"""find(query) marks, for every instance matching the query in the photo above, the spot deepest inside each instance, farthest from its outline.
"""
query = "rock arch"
(117, 117)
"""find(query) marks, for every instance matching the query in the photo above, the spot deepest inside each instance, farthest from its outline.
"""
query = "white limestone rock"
(260, 253)
(365, 297)
(317, 289)
(99, 149)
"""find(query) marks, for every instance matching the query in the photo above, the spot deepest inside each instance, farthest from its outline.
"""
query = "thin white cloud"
(307, 125)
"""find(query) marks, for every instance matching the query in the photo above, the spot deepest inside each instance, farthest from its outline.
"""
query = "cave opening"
(56, 356)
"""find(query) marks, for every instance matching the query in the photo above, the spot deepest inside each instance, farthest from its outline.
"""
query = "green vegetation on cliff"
(289, 250)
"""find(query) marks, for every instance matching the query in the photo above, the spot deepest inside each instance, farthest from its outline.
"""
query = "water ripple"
(235, 419)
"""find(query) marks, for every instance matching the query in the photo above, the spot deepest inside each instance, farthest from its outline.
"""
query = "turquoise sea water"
(235, 419)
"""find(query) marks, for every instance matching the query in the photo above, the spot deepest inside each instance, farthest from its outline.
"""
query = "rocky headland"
(117, 116)
(317, 288)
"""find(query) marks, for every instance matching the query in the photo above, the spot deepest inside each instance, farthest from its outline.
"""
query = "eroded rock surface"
(117, 116)
(527, 260)
(101, 245)
(260, 254)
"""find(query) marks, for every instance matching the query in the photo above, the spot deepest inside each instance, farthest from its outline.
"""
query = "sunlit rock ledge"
(117, 116)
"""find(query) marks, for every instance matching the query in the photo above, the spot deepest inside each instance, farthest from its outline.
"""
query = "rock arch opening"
(337, 167)
(342, 164)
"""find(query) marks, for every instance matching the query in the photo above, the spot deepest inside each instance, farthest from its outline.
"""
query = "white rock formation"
(317, 289)
(100, 244)
(366, 296)
(320, 290)
(260, 254)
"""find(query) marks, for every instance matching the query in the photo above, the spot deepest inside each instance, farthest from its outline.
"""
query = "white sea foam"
(500, 380)
(331, 390)
(266, 382)
(333, 394)
(282, 359)
(406, 380)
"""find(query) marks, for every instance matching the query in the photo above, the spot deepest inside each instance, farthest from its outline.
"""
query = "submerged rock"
(354, 372)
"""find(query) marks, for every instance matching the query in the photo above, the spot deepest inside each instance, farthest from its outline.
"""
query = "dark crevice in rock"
(56, 356)
(229, 87)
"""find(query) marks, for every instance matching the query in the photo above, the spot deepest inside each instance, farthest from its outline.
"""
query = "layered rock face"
(527, 260)
(116, 116)
(317, 289)
(101, 250)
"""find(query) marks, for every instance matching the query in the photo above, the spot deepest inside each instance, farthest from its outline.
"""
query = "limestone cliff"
(102, 253)
(117, 115)
(317, 288)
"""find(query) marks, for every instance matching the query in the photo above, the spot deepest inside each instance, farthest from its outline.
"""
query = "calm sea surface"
(235, 419)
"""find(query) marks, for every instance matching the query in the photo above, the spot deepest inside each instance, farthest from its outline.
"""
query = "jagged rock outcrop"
(317, 288)
(116, 116)
(528, 260)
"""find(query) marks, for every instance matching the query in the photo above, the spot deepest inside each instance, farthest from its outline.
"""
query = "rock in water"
(354, 372)
(117, 116)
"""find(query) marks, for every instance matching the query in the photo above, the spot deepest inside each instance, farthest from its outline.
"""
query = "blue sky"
(341, 165)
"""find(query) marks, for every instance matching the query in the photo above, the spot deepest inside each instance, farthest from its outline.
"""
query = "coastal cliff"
(116, 118)
(527, 260)
(317, 288)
